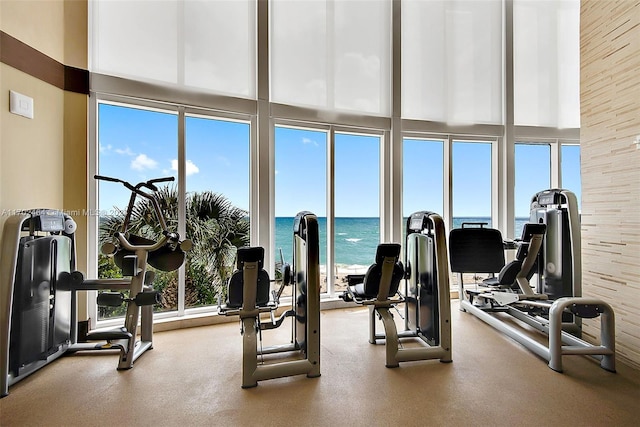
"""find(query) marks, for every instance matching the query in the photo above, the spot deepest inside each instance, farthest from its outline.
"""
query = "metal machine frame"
(560, 319)
(58, 299)
(305, 311)
(56, 315)
(427, 313)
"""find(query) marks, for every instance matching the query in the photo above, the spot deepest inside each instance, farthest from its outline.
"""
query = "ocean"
(356, 238)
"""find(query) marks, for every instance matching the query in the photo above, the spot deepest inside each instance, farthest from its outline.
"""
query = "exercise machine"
(249, 296)
(39, 285)
(426, 300)
(549, 250)
(133, 254)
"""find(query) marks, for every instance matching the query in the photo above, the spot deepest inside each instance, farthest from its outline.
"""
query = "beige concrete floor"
(192, 377)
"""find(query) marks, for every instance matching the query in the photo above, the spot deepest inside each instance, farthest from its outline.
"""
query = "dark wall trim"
(23, 57)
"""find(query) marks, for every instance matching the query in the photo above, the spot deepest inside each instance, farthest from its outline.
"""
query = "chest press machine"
(248, 297)
(549, 248)
(427, 311)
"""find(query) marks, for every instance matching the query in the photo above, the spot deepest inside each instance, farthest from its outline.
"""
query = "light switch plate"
(20, 104)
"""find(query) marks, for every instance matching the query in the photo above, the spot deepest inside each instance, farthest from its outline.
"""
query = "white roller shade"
(206, 45)
(452, 61)
(332, 55)
(546, 40)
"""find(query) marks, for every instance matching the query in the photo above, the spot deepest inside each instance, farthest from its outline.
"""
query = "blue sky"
(137, 145)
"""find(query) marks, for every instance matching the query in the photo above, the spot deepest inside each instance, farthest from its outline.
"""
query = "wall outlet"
(20, 104)
(637, 141)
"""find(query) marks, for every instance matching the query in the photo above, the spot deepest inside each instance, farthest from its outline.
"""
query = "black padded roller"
(77, 277)
(110, 299)
(148, 298)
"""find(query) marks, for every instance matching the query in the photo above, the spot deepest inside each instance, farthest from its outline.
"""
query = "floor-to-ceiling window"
(356, 219)
(138, 144)
(422, 177)
(324, 90)
(217, 203)
(300, 185)
(471, 190)
(532, 174)
(135, 145)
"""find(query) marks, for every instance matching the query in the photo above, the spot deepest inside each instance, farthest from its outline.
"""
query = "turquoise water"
(356, 239)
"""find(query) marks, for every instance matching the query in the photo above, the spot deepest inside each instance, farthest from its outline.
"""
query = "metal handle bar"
(149, 248)
(150, 184)
(136, 190)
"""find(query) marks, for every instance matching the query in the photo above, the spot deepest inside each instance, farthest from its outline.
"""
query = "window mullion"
(331, 210)
(556, 178)
(182, 198)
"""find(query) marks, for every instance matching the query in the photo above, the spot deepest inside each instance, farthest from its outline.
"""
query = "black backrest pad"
(476, 250)
(250, 254)
(530, 229)
(235, 289)
(387, 250)
(236, 283)
(374, 273)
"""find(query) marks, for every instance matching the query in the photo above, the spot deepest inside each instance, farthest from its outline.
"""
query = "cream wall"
(32, 149)
(610, 164)
(38, 23)
(43, 160)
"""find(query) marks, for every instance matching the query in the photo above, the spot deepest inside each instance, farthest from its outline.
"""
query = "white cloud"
(309, 141)
(126, 151)
(143, 162)
(191, 168)
(104, 148)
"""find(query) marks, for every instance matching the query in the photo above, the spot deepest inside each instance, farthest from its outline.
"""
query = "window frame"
(264, 115)
(181, 112)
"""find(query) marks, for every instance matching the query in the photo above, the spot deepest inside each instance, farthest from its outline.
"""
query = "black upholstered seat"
(371, 284)
(507, 276)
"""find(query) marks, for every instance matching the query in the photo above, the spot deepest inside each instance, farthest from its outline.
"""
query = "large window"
(217, 204)
(140, 144)
(533, 174)
(309, 105)
(422, 176)
(135, 145)
(471, 183)
(357, 204)
(300, 185)
(302, 182)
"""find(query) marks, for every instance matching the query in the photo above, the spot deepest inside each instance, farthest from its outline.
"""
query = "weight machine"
(248, 297)
(427, 311)
(39, 285)
(549, 248)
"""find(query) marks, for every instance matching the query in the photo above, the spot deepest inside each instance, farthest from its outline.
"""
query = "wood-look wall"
(610, 163)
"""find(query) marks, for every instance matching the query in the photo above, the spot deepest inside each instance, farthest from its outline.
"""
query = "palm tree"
(216, 228)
